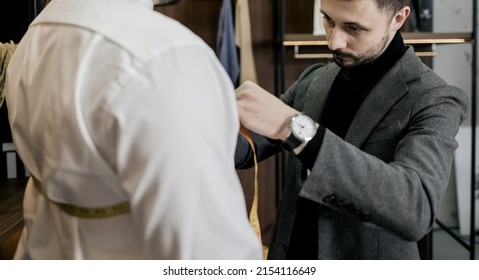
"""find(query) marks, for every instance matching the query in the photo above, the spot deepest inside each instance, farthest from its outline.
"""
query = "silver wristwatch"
(301, 129)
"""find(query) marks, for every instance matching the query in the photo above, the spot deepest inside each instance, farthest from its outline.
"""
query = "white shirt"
(110, 101)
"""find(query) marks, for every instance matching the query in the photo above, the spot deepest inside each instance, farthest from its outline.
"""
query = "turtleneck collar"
(352, 85)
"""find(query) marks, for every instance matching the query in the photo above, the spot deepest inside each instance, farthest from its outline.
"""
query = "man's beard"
(358, 60)
(160, 3)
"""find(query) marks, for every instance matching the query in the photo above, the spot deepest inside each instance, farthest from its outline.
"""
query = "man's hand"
(262, 112)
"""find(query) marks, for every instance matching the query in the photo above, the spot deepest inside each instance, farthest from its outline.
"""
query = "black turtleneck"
(349, 89)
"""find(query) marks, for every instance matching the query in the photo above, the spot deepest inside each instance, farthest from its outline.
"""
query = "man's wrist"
(285, 129)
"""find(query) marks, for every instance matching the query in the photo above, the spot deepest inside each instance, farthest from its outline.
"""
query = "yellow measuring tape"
(253, 214)
(84, 212)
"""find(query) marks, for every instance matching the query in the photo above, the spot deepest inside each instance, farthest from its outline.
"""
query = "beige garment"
(6, 52)
(244, 42)
(318, 26)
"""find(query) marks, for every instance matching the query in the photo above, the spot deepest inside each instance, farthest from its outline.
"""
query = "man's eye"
(353, 29)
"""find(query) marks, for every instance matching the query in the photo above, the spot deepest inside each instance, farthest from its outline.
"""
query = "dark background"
(15, 16)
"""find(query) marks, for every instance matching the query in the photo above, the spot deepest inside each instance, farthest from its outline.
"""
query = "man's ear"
(400, 18)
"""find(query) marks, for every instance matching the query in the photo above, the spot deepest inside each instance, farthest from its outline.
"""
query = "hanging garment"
(6, 52)
(318, 27)
(225, 43)
(424, 15)
(244, 42)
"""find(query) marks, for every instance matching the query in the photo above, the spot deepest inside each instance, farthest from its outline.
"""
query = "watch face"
(303, 127)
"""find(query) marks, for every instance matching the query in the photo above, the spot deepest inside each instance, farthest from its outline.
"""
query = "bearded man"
(371, 138)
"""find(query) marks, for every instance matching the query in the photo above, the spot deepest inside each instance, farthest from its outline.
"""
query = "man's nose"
(337, 39)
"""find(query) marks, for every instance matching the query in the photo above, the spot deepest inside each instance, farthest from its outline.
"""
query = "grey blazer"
(381, 186)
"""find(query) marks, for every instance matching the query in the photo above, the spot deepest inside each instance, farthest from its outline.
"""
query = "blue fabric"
(225, 43)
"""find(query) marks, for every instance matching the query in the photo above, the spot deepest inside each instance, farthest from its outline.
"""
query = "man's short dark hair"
(391, 6)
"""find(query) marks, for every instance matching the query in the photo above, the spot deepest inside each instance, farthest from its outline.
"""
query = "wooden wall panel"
(299, 16)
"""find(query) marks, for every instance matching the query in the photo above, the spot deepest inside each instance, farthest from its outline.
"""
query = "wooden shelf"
(11, 213)
(410, 38)
(422, 42)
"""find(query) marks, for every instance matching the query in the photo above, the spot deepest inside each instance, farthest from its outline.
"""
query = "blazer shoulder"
(310, 69)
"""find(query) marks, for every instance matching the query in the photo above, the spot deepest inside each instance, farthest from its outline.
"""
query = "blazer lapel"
(383, 96)
(319, 90)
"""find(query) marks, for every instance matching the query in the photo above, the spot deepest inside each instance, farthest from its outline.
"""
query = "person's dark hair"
(391, 6)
